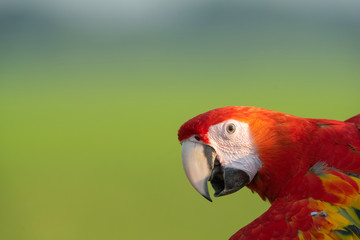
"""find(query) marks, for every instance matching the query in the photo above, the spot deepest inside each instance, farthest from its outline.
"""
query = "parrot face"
(225, 155)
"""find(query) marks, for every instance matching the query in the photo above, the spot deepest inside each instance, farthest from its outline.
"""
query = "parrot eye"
(197, 138)
(230, 128)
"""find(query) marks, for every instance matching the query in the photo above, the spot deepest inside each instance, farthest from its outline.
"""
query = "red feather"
(316, 211)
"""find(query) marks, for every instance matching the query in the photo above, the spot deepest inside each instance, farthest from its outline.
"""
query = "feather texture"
(327, 208)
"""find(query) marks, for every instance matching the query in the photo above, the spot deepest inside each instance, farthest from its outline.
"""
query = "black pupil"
(197, 138)
(231, 128)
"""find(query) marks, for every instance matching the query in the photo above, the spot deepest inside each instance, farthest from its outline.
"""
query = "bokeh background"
(92, 94)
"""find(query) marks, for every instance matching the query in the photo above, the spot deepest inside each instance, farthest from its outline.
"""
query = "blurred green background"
(92, 94)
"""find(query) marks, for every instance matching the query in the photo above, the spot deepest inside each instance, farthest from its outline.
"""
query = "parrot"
(308, 169)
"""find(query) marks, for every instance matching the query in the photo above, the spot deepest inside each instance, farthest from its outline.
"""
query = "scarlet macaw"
(308, 169)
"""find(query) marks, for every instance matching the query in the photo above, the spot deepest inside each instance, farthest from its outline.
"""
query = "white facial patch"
(234, 146)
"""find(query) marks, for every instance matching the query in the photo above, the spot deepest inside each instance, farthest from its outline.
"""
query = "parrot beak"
(198, 161)
(201, 165)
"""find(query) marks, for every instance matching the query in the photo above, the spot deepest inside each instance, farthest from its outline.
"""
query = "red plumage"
(291, 178)
(287, 145)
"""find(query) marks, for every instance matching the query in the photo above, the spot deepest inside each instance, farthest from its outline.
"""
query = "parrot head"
(230, 146)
